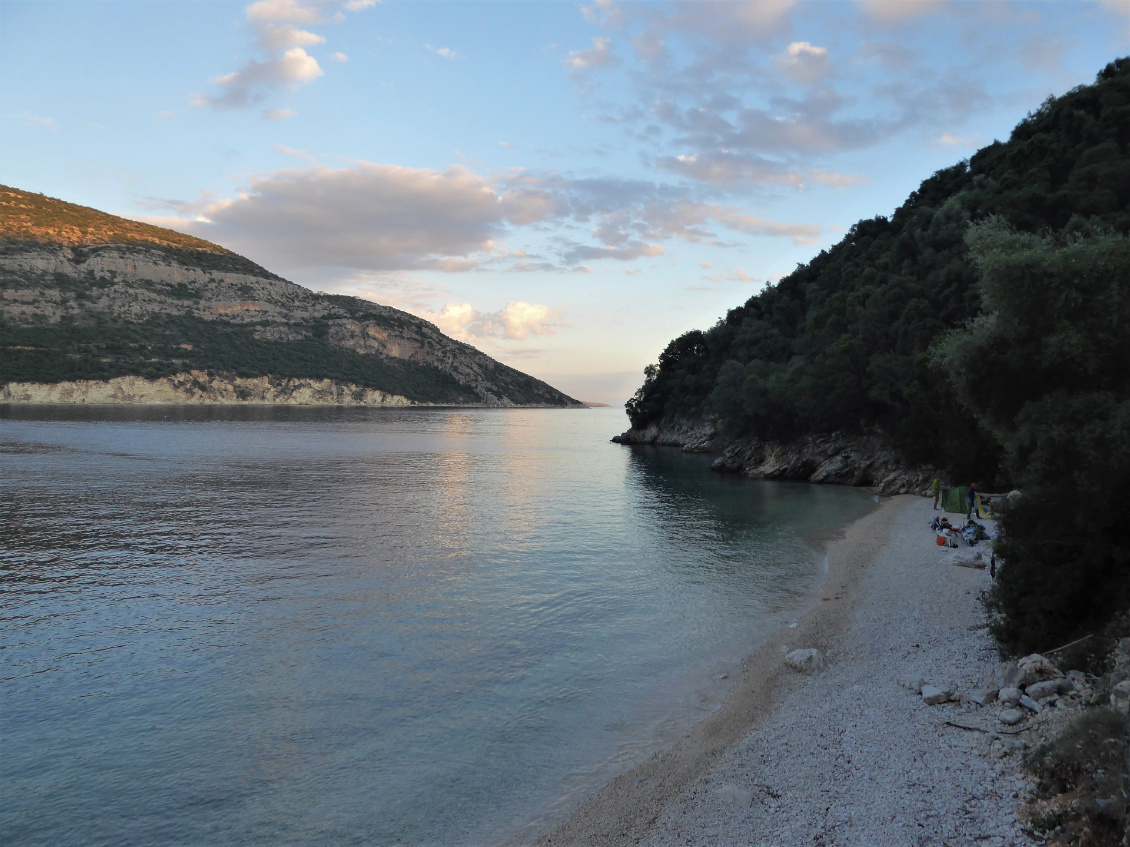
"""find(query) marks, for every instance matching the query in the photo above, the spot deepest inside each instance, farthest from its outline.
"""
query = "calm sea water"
(327, 626)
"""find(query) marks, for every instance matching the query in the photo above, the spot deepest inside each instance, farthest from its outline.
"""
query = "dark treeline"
(983, 328)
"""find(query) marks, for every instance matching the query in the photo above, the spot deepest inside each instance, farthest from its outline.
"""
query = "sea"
(333, 626)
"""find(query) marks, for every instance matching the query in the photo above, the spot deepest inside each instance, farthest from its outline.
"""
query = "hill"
(840, 345)
(97, 308)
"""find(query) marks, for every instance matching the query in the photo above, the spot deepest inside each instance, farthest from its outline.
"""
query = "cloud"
(706, 265)
(951, 140)
(605, 13)
(896, 11)
(734, 275)
(581, 62)
(282, 63)
(730, 168)
(278, 114)
(339, 57)
(516, 321)
(804, 63)
(370, 217)
(444, 52)
(36, 121)
(837, 180)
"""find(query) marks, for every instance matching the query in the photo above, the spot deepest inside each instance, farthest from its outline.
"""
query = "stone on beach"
(1010, 696)
(732, 794)
(808, 660)
(933, 696)
(911, 683)
(1011, 717)
(983, 696)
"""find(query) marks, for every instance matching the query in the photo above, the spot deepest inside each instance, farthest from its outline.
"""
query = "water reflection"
(318, 626)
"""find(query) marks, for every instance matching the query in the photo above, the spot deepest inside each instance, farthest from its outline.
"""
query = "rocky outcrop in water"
(837, 458)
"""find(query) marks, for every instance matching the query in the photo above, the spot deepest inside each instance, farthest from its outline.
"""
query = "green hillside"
(1027, 239)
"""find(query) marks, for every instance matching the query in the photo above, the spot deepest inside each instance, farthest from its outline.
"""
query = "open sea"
(304, 626)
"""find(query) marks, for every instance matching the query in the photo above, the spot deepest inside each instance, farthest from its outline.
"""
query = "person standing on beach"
(971, 498)
(937, 489)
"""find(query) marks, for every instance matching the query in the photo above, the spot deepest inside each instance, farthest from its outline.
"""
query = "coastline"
(789, 756)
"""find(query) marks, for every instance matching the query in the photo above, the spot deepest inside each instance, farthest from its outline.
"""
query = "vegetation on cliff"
(90, 296)
(1026, 243)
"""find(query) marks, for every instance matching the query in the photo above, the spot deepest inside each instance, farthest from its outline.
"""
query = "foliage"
(1048, 369)
(168, 344)
(842, 342)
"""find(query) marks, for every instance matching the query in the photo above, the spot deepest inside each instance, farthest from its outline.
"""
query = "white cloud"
(278, 114)
(604, 13)
(951, 140)
(804, 63)
(283, 62)
(895, 11)
(516, 321)
(706, 265)
(339, 57)
(444, 52)
(36, 121)
(580, 62)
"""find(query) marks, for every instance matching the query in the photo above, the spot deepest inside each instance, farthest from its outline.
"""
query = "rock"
(732, 794)
(1120, 697)
(932, 695)
(911, 683)
(983, 696)
(1035, 668)
(1011, 717)
(1009, 696)
(1047, 688)
(807, 660)
(1030, 704)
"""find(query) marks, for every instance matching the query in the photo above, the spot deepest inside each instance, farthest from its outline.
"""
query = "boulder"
(1047, 688)
(1120, 697)
(1011, 717)
(1030, 704)
(983, 696)
(1010, 696)
(932, 695)
(807, 660)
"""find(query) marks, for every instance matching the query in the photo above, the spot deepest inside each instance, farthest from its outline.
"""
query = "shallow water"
(328, 626)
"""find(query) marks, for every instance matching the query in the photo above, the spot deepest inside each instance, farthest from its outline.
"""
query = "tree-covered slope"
(90, 296)
(841, 343)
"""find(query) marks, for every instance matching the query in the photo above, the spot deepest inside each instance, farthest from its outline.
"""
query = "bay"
(364, 626)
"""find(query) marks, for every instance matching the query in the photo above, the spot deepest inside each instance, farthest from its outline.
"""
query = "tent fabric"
(953, 499)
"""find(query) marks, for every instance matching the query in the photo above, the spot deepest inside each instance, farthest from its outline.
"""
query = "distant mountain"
(97, 308)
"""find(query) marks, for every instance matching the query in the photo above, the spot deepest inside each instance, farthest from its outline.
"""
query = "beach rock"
(1047, 688)
(1120, 697)
(1030, 704)
(732, 794)
(807, 660)
(932, 695)
(983, 696)
(1035, 668)
(1009, 696)
(1011, 717)
(911, 683)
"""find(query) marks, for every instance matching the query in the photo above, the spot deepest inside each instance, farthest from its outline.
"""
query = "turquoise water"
(327, 626)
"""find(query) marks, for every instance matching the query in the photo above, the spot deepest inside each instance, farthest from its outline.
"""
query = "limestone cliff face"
(199, 387)
(836, 458)
(123, 286)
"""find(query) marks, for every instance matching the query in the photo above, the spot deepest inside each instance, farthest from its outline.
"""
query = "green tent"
(953, 499)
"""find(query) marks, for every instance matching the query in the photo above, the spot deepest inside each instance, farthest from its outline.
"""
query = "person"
(971, 500)
(937, 489)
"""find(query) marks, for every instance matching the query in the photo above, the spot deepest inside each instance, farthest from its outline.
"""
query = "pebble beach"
(844, 755)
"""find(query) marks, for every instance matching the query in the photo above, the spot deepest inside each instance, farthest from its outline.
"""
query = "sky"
(568, 186)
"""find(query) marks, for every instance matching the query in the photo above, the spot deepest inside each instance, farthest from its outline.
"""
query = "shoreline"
(685, 793)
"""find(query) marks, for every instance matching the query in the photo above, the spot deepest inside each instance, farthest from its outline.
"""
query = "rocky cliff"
(835, 458)
(89, 298)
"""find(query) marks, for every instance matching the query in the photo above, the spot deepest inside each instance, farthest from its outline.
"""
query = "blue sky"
(568, 186)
